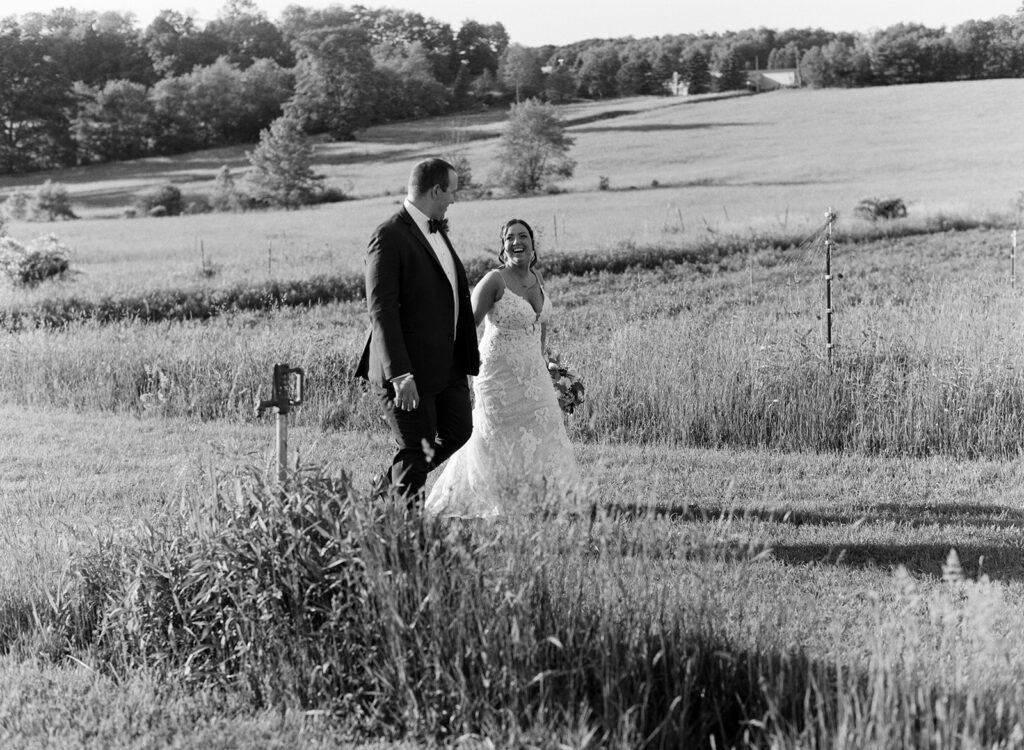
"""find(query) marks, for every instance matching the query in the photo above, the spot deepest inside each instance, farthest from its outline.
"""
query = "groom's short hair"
(428, 173)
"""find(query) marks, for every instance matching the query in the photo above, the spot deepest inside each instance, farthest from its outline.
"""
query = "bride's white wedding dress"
(519, 449)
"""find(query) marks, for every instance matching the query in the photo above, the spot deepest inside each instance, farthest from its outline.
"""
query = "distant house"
(769, 80)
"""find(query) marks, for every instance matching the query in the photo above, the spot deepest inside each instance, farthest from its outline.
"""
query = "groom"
(422, 341)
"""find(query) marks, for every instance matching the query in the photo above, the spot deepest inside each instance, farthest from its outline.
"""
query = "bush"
(874, 209)
(16, 206)
(332, 194)
(163, 201)
(52, 201)
(225, 195)
(44, 258)
(603, 182)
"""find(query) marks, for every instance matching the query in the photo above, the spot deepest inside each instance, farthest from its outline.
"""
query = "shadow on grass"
(1003, 562)
(984, 516)
(658, 127)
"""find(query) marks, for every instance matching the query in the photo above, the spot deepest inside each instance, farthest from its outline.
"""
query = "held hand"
(407, 397)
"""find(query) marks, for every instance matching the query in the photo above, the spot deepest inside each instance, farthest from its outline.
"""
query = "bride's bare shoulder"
(492, 284)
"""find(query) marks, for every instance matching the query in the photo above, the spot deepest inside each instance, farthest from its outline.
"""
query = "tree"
(266, 87)
(93, 47)
(635, 77)
(405, 86)
(815, 70)
(560, 85)
(480, 45)
(533, 147)
(334, 90)
(598, 67)
(282, 166)
(388, 26)
(249, 36)
(36, 105)
(519, 69)
(696, 72)
(176, 45)
(731, 75)
(114, 122)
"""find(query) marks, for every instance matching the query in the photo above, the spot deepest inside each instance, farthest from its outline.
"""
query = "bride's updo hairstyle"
(502, 256)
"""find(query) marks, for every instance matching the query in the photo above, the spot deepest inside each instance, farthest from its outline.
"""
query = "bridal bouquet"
(568, 387)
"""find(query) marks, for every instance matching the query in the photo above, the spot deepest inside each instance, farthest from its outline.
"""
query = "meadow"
(763, 557)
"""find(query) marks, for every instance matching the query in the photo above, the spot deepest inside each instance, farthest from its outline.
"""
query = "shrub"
(16, 206)
(874, 209)
(332, 194)
(603, 182)
(44, 258)
(225, 195)
(162, 201)
(52, 201)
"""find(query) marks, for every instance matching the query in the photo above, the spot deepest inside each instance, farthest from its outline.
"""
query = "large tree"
(519, 71)
(249, 36)
(481, 45)
(92, 47)
(405, 86)
(334, 81)
(391, 27)
(696, 72)
(176, 44)
(114, 122)
(534, 147)
(36, 105)
(597, 70)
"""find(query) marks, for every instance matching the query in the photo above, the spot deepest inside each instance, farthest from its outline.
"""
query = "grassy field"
(771, 163)
(767, 556)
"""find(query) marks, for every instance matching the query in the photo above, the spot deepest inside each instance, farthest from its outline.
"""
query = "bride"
(519, 449)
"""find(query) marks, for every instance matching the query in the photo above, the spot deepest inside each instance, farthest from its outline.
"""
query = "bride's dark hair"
(502, 257)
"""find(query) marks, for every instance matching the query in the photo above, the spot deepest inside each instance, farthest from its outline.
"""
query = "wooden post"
(828, 284)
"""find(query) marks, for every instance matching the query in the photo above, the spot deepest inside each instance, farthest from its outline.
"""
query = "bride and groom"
(506, 444)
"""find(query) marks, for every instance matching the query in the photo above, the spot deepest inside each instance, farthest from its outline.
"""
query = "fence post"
(286, 392)
(831, 216)
(1013, 259)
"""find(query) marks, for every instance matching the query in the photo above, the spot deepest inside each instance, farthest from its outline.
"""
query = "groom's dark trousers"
(413, 330)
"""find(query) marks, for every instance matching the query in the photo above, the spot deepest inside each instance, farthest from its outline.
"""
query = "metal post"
(828, 284)
(282, 446)
(1013, 258)
(286, 392)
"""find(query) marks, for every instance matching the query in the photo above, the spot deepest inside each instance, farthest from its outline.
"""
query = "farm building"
(769, 80)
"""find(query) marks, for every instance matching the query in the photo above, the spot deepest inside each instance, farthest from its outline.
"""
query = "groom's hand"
(407, 397)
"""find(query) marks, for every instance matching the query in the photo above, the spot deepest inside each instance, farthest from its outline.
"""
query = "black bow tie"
(438, 225)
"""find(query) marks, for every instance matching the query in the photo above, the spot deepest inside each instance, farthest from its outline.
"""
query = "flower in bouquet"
(568, 387)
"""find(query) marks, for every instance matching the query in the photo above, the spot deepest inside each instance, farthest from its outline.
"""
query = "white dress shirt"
(442, 252)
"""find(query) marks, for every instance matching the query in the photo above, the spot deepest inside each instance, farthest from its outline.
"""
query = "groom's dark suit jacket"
(412, 311)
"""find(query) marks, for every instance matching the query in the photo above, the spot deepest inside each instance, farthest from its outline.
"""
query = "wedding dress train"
(519, 449)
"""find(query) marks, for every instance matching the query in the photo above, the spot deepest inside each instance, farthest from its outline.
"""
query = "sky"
(533, 23)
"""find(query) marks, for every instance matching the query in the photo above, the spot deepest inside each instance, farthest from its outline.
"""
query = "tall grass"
(728, 353)
(578, 628)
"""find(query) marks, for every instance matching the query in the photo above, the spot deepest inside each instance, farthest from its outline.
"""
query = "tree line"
(80, 87)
